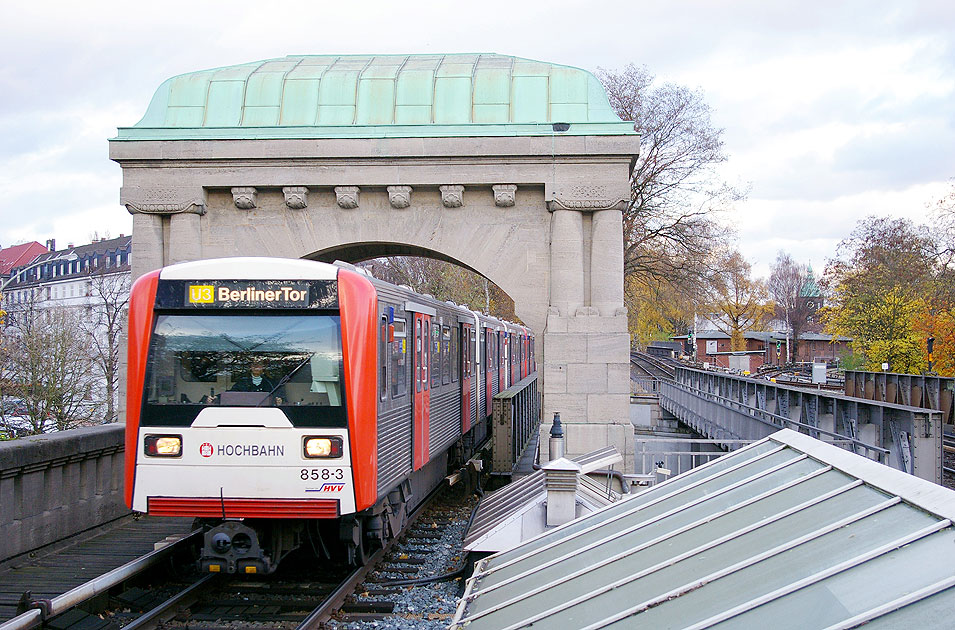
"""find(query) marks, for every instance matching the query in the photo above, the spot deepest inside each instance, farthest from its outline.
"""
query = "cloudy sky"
(832, 110)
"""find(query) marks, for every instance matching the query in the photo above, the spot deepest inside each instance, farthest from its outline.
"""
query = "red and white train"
(284, 401)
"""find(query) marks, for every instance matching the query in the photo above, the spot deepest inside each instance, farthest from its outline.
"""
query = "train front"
(239, 401)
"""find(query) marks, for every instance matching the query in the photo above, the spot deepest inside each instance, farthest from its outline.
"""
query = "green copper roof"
(379, 96)
(810, 288)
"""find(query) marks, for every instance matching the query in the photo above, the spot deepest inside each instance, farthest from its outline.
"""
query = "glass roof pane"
(776, 572)
(851, 592)
(931, 613)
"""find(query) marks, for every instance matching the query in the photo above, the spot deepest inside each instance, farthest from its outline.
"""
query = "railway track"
(298, 595)
(652, 366)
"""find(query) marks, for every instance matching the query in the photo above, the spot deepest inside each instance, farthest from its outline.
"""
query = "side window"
(399, 362)
(383, 358)
(483, 350)
(455, 354)
(446, 355)
(426, 348)
(435, 355)
(472, 345)
(417, 349)
(466, 355)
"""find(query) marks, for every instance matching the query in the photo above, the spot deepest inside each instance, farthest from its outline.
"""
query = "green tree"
(878, 286)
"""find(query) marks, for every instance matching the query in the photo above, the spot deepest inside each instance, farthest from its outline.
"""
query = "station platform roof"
(789, 532)
(362, 96)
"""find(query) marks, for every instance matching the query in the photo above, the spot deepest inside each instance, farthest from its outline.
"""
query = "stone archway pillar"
(586, 360)
(147, 243)
(184, 238)
(606, 262)
(567, 261)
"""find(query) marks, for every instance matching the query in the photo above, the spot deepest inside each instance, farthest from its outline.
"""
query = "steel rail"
(41, 610)
(152, 617)
(323, 612)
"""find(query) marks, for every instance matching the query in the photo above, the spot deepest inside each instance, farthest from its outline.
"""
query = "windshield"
(293, 362)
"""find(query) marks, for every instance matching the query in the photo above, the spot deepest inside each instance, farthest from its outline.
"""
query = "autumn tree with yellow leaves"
(884, 292)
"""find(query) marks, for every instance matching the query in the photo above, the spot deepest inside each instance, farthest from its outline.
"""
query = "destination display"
(247, 294)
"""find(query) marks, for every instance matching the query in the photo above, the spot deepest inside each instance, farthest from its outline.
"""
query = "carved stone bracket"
(244, 197)
(296, 197)
(399, 196)
(452, 196)
(347, 197)
(585, 198)
(505, 195)
(162, 201)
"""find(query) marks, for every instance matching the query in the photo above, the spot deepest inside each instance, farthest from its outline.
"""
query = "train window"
(419, 366)
(455, 354)
(446, 355)
(399, 363)
(472, 345)
(426, 359)
(483, 350)
(436, 355)
(486, 349)
(382, 358)
(241, 360)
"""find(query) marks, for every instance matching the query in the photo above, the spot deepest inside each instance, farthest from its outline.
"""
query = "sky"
(831, 110)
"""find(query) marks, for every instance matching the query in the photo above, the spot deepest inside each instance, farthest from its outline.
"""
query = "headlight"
(323, 446)
(163, 445)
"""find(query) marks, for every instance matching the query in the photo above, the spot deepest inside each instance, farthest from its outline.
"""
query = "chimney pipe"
(560, 479)
(555, 447)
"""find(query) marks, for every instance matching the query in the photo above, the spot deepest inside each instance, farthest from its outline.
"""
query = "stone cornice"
(162, 200)
(586, 198)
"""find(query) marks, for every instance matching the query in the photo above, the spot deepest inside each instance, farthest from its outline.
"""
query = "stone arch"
(357, 252)
(514, 168)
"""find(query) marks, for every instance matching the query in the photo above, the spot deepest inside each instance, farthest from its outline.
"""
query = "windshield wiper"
(285, 379)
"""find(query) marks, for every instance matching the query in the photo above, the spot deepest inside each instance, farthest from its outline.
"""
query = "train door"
(515, 343)
(466, 351)
(505, 371)
(501, 362)
(488, 369)
(525, 356)
(422, 393)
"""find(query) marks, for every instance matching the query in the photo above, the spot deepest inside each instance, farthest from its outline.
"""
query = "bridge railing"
(516, 421)
(678, 454)
(644, 385)
(735, 429)
(914, 390)
(723, 406)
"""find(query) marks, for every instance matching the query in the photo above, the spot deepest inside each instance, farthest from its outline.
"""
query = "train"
(288, 402)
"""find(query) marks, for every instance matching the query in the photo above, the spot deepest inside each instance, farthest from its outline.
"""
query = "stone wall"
(57, 485)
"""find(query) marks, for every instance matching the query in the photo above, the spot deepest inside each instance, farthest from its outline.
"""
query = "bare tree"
(45, 364)
(445, 281)
(786, 282)
(107, 314)
(672, 227)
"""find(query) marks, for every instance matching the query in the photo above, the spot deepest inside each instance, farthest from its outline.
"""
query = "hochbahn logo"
(242, 450)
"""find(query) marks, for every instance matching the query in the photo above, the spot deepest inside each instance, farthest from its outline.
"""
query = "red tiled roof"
(19, 255)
